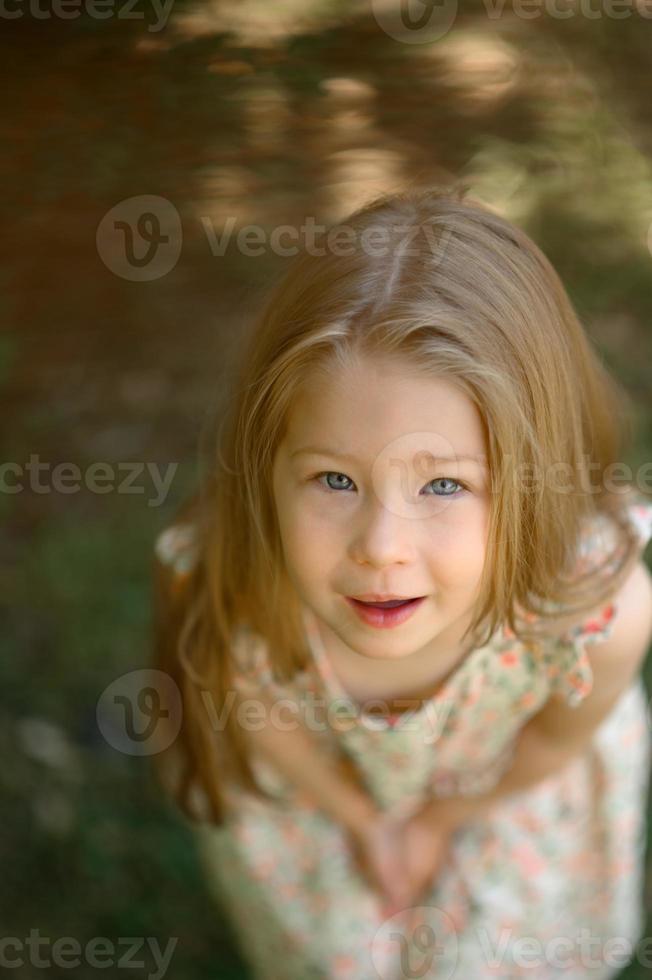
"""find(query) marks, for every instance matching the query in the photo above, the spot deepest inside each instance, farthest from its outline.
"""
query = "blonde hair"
(456, 291)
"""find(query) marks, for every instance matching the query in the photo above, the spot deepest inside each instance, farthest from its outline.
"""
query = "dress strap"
(333, 686)
(324, 667)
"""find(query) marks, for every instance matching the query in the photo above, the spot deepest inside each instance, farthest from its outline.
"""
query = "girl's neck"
(416, 677)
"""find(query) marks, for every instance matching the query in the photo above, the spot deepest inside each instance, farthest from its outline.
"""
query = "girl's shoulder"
(599, 548)
(599, 539)
(177, 549)
(569, 664)
(177, 546)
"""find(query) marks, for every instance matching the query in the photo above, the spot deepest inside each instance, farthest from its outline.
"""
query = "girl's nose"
(385, 539)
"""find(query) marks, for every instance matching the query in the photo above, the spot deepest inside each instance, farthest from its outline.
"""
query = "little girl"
(407, 615)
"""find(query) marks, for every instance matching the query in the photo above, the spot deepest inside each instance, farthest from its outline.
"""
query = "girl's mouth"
(385, 615)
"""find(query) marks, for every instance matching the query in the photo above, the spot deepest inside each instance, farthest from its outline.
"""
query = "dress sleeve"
(251, 659)
(573, 677)
(177, 549)
(571, 673)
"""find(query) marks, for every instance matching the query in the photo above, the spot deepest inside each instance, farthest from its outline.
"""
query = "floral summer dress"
(548, 884)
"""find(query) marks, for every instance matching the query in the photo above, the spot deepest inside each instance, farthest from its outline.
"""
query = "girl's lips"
(385, 618)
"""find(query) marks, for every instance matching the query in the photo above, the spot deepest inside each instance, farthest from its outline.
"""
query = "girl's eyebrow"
(316, 451)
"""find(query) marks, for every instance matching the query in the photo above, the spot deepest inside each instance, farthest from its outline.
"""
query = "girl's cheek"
(457, 549)
(317, 518)
(311, 534)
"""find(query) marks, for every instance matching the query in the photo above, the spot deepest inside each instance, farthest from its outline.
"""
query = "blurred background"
(205, 116)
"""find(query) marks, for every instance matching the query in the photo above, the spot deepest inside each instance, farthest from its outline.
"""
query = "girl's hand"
(426, 845)
(401, 854)
(378, 848)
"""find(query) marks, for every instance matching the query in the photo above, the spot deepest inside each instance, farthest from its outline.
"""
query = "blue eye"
(332, 473)
(447, 479)
(441, 479)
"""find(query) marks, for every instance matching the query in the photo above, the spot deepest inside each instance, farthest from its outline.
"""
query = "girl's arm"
(536, 757)
(558, 733)
(335, 788)
(331, 785)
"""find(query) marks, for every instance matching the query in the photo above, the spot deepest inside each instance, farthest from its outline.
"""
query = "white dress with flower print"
(548, 884)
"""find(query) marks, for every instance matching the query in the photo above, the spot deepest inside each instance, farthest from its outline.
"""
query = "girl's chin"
(384, 655)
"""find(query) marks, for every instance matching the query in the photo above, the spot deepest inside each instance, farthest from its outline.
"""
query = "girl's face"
(368, 507)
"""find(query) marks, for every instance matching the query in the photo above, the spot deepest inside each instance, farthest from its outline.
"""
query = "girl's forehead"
(369, 410)
(376, 378)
